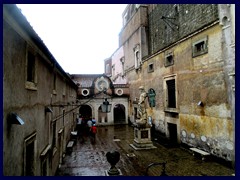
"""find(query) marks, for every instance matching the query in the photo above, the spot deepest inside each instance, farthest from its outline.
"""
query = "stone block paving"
(88, 159)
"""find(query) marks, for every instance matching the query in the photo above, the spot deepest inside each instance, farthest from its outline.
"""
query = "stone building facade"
(186, 54)
(39, 101)
(93, 89)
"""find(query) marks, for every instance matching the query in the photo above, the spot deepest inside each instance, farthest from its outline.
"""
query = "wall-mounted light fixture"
(13, 118)
(200, 103)
(47, 109)
(106, 106)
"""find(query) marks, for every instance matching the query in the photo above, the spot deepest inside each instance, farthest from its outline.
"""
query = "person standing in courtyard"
(93, 133)
(94, 120)
(89, 125)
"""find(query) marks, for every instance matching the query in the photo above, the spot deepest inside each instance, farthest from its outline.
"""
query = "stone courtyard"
(88, 159)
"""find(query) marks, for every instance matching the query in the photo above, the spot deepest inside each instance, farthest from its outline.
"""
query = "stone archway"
(85, 111)
(119, 114)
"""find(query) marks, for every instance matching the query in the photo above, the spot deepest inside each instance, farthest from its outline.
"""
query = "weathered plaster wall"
(30, 104)
(197, 79)
(138, 19)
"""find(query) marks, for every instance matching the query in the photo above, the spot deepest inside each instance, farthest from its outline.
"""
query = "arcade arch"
(85, 111)
(119, 114)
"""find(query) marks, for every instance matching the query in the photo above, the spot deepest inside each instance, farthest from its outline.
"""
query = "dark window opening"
(85, 92)
(150, 68)
(30, 67)
(30, 159)
(171, 93)
(54, 82)
(169, 60)
(200, 47)
(54, 134)
(135, 112)
(44, 168)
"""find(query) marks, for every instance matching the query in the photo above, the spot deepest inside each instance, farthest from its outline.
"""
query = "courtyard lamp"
(106, 106)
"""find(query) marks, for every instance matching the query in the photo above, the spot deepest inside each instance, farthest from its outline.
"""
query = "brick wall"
(169, 23)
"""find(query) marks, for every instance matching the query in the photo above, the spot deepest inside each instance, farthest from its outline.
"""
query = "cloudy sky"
(80, 36)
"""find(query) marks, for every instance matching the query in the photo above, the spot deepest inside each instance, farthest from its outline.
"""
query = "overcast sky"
(80, 36)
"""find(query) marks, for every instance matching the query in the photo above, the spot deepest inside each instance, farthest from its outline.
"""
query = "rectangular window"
(171, 97)
(200, 47)
(54, 133)
(30, 159)
(30, 67)
(45, 160)
(54, 84)
(170, 94)
(44, 167)
(64, 88)
(137, 57)
(151, 68)
(107, 69)
(31, 76)
(168, 60)
(135, 112)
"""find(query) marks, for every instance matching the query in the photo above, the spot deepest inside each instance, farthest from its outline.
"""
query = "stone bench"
(70, 146)
(74, 136)
(201, 152)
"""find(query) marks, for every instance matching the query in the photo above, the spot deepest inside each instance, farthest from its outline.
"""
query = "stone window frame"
(200, 47)
(166, 92)
(119, 91)
(31, 68)
(54, 133)
(45, 164)
(85, 92)
(150, 67)
(108, 68)
(169, 59)
(137, 57)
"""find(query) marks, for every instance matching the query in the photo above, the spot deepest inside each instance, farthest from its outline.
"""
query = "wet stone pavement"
(89, 159)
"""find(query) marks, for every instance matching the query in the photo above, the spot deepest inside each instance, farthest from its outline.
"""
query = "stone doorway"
(172, 129)
(119, 114)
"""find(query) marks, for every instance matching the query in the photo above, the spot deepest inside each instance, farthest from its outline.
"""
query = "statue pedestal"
(142, 139)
